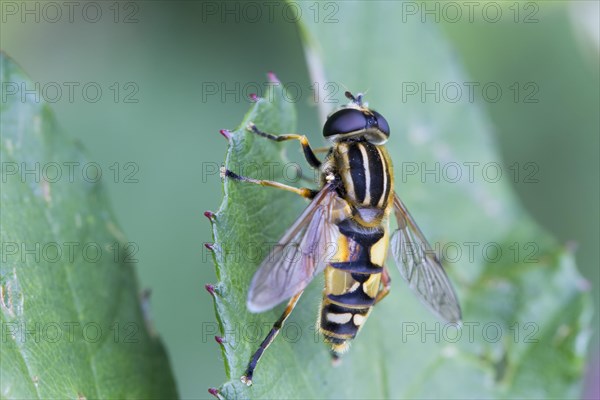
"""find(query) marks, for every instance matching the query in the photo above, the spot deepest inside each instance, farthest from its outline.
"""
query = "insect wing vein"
(300, 255)
(421, 268)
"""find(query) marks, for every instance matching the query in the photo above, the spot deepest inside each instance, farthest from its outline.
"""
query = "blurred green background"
(172, 52)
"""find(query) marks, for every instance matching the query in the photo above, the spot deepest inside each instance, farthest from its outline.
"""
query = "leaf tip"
(210, 246)
(272, 77)
(210, 215)
(215, 392)
(219, 339)
(210, 289)
(226, 133)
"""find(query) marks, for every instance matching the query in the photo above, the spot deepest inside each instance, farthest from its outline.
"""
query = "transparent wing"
(421, 268)
(301, 254)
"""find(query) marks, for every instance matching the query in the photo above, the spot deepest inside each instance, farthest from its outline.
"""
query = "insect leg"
(247, 378)
(308, 151)
(315, 179)
(304, 192)
(386, 282)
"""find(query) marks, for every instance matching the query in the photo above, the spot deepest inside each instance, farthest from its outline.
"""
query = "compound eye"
(382, 123)
(344, 121)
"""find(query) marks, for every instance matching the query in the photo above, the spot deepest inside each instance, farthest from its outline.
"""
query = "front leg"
(308, 151)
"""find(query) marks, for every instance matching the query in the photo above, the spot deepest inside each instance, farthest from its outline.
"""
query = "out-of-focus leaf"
(72, 322)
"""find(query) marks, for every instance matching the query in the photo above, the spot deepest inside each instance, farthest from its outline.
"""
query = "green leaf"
(72, 322)
(526, 311)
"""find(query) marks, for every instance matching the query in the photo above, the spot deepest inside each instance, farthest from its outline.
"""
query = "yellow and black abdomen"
(352, 282)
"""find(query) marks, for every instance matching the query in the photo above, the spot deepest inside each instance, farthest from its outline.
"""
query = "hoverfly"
(344, 232)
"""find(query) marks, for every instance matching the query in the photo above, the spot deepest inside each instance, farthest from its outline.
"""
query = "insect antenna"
(358, 100)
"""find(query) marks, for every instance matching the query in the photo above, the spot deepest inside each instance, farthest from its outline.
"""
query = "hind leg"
(247, 377)
(386, 282)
